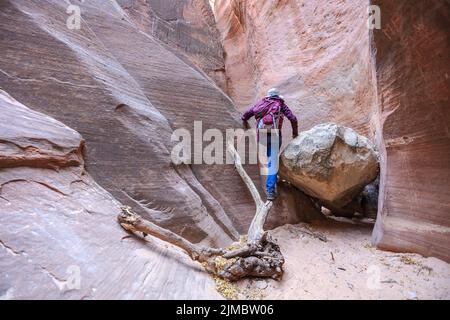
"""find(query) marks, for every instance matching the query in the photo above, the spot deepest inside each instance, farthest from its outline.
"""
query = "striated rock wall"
(58, 224)
(118, 92)
(137, 70)
(413, 90)
(187, 27)
(124, 89)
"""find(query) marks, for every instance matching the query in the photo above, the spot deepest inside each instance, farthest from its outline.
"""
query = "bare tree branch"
(133, 222)
(256, 231)
(247, 180)
(260, 257)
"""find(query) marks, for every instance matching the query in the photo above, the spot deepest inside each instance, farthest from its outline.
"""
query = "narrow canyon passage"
(383, 84)
(389, 83)
(88, 115)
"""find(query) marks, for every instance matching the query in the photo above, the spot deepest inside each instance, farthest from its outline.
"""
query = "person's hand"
(246, 125)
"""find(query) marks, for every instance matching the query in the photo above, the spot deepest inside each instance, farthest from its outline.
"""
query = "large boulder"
(330, 162)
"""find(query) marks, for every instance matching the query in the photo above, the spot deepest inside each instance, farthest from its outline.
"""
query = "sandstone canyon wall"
(125, 95)
(137, 70)
(391, 85)
(115, 91)
(413, 73)
(57, 223)
(187, 27)
(125, 90)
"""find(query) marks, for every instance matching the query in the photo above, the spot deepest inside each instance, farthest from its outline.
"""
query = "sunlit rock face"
(316, 52)
(413, 86)
(59, 237)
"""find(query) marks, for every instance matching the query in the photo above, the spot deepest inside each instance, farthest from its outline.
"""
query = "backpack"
(268, 113)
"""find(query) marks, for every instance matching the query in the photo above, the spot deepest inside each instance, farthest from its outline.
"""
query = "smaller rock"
(369, 199)
(364, 205)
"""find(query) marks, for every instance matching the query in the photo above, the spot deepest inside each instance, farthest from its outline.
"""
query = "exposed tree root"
(258, 257)
(265, 260)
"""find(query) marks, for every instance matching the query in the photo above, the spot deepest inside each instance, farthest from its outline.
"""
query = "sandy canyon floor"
(334, 260)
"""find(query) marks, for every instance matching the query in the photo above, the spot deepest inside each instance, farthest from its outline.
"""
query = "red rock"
(316, 52)
(187, 27)
(125, 87)
(125, 95)
(412, 72)
(57, 223)
(321, 56)
(124, 91)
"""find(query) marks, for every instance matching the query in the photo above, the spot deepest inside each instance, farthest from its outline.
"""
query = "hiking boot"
(271, 196)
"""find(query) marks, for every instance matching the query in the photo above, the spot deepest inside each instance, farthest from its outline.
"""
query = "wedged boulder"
(330, 162)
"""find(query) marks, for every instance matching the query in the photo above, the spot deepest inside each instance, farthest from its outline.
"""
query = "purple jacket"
(284, 111)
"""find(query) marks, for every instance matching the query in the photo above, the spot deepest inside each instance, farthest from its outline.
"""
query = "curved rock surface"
(413, 85)
(330, 162)
(116, 95)
(125, 84)
(58, 224)
(125, 90)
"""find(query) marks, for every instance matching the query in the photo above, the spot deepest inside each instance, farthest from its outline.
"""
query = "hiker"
(269, 113)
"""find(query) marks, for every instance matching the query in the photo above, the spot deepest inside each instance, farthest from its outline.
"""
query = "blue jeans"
(272, 162)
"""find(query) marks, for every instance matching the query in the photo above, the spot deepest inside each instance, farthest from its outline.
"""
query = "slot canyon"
(86, 120)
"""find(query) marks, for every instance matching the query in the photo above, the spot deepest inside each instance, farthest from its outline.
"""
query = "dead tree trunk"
(259, 257)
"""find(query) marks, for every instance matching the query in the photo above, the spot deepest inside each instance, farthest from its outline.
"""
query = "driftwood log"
(258, 257)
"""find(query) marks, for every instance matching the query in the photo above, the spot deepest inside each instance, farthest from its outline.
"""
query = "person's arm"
(247, 115)
(292, 118)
